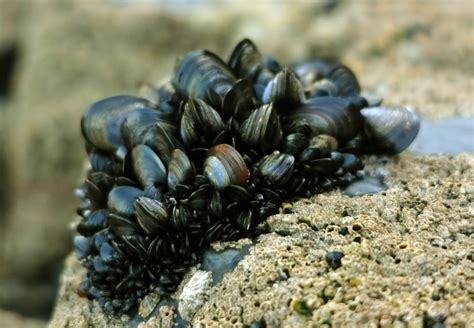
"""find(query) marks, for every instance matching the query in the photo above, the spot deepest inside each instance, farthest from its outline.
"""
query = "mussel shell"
(285, 91)
(98, 185)
(239, 101)
(101, 122)
(322, 88)
(135, 126)
(345, 80)
(180, 169)
(103, 162)
(152, 215)
(276, 169)
(224, 166)
(312, 71)
(329, 115)
(262, 130)
(246, 61)
(200, 123)
(390, 130)
(148, 167)
(121, 200)
(202, 74)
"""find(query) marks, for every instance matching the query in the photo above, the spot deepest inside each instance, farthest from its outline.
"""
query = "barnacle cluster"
(209, 156)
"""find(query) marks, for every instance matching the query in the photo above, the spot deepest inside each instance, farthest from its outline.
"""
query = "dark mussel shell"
(180, 170)
(101, 122)
(276, 169)
(390, 130)
(202, 74)
(329, 115)
(284, 91)
(135, 127)
(345, 80)
(246, 61)
(152, 215)
(200, 123)
(239, 101)
(224, 166)
(121, 200)
(311, 71)
(148, 167)
(262, 130)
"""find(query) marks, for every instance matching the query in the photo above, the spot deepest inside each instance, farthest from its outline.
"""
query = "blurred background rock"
(56, 57)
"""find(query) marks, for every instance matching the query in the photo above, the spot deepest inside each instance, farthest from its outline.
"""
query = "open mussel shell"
(262, 130)
(391, 130)
(180, 169)
(152, 215)
(202, 74)
(148, 167)
(101, 122)
(285, 91)
(224, 166)
(276, 169)
(329, 115)
(200, 123)
(121, 200)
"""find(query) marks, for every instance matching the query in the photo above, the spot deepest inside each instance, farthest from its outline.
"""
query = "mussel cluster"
(209, 156)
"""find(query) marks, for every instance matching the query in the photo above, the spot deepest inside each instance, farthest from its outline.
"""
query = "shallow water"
(448, 136)
(366, 186)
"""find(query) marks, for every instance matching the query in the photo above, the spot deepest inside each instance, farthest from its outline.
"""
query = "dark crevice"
(8, 62)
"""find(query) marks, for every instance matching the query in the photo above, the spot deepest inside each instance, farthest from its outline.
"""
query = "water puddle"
(448, 136)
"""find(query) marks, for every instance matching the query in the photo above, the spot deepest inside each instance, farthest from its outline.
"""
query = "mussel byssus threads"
(210, 157)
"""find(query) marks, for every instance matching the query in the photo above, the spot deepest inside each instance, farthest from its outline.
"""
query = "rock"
(414, 244)
(11, 319)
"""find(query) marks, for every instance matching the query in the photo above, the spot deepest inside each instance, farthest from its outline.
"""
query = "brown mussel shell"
(224, 166)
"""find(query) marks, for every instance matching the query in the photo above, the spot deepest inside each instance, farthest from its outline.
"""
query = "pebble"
(333, 258)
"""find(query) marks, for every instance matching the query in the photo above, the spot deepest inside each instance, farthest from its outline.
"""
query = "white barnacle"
(194, 294)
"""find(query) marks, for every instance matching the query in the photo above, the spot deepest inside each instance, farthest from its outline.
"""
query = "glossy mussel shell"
(101, 122)
(202, 74)
(329, 115)
(390, 130)
(262, 130)
(224, 166)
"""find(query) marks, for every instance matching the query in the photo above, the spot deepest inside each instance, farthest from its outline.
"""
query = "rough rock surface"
(408, 259)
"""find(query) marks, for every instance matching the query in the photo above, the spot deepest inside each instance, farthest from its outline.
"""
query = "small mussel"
(209, 156)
